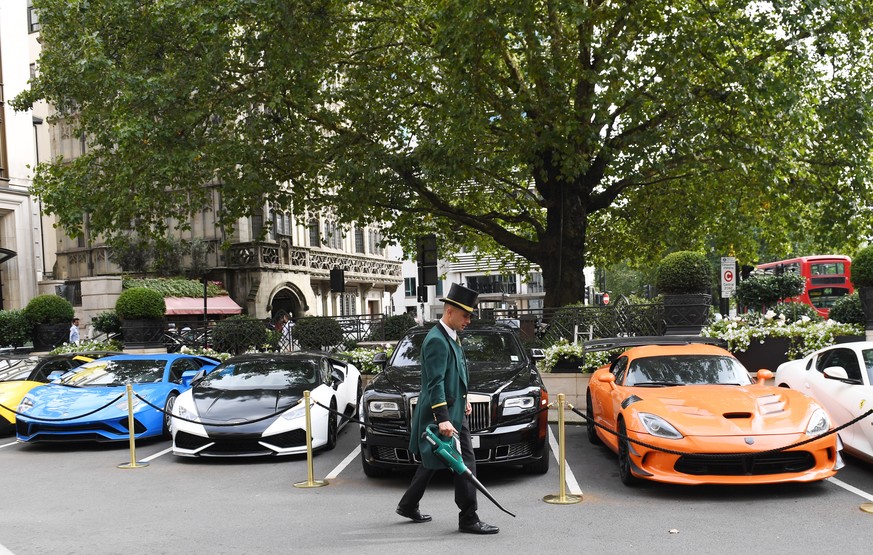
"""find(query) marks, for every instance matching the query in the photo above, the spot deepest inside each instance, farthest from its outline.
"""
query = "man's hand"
(469, 409)
(446, 428)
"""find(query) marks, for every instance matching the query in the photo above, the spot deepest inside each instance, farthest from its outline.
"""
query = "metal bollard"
(132, 463)
(309, 483)
(562, 498)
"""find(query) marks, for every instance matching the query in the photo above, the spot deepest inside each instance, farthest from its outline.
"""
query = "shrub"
(848, 310)
(362, 358)
(862, 268)
(107, 322)
(140, 303)
(317, 332)
(796, 311)
(110, 345)
(393, 327)
(683, 272)
(761, 291)
(14, 328)
(239, 334)
(49, 309)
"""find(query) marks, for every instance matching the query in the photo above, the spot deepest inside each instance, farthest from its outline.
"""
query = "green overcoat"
(443, 391)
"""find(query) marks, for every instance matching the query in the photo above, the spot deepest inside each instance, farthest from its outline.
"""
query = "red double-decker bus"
(827, 278)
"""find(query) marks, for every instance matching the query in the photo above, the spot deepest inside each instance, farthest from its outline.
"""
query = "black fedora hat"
(462, 298)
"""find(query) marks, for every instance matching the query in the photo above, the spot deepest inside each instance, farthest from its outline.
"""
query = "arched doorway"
(287, 299)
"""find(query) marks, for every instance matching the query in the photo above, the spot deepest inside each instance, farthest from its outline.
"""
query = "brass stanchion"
(132, 463)
(310, 483)
(562, 498)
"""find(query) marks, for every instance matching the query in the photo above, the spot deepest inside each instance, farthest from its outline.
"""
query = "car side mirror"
(380, 358)
(537, 354)
(337, 376)
(192, 376)
(56, 375)
(763, 375)
(836, 373)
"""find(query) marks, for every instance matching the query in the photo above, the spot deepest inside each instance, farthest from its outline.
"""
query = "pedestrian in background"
(443, 400)
(74, 332)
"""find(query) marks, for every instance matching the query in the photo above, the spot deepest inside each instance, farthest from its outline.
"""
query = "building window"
(375, 242)
(314, 238)
(359, 240)
(409, 289)
(492, 284)
(439, 289)
(535, 283)
(33, 25)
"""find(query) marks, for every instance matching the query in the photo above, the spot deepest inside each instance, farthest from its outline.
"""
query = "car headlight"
(122, 405)
(383, 406)
(296, 411)
(819, 423)
(25, 405)
(520, 403)
(659, 427)
(188, 414)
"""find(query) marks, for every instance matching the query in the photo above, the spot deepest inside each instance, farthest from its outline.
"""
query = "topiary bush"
(765, 290)
(317, 332)
(239, 334)
(862, 268)
(683, 272)
(107, 322)
(14, 328)
(847, 310)
(49, 309)
(140, 303)
(392, 328)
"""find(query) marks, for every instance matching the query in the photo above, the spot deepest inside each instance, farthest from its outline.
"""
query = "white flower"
(769, 315)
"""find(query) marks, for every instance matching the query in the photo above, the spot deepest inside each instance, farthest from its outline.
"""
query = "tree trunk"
(562, 254)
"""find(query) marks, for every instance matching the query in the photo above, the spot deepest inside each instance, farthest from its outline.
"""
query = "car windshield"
(117, 372)
(867, 355)
(483, 349)
(266, 374)
(16, 369)
(686, 370)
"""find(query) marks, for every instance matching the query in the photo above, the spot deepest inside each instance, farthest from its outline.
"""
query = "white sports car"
(252, 405)
(840, 378)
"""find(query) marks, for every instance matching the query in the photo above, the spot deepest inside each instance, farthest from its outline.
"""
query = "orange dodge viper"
(698, 403)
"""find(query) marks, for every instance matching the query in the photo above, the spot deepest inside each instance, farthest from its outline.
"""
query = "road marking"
(341, 466)
(7, 445)
(853, 489)
(569, 477)
(158, 454)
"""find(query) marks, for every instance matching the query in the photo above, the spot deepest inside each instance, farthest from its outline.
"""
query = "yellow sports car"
(20, 374)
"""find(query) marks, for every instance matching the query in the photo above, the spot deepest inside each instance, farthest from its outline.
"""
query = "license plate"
(475, 441)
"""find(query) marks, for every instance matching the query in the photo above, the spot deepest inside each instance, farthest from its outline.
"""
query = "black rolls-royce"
(504, 388)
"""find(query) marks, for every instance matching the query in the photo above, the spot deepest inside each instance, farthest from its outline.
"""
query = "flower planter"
(865, 294)
(142, 334)
(686, 314)
(48, 336)
(768, 354)
(566, 365)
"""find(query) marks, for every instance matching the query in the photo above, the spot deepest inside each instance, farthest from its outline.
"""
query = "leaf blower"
(449, 451)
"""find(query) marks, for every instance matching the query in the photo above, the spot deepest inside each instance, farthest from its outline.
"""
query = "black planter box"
(48, 336)
(686, 314)
(865, 294)
(566, 365)
(769, 354)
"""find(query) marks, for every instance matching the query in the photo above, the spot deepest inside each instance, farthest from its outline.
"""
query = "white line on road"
(158, 454)
(341, 466)
(572, 484)
(853, 489)
(8, 444)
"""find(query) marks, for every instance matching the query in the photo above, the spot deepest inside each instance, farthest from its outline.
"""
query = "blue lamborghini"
(90, 403)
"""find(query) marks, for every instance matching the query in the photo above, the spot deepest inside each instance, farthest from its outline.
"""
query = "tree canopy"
(556, 132)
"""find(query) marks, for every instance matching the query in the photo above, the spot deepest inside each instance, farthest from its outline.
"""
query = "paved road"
(74, 499)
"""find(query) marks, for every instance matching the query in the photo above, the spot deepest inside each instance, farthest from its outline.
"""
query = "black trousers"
(465, 491)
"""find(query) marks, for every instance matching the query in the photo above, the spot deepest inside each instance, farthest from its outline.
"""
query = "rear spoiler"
(611, 343)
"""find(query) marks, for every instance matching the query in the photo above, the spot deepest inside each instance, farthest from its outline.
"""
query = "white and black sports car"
(223, 414)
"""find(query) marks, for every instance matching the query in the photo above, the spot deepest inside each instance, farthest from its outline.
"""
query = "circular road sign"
(605, 298)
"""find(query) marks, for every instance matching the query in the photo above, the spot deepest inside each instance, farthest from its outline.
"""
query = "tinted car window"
(481, 348)
(268, 374)
(845, 358)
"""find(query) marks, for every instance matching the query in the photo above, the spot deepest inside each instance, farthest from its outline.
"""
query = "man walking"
(443, 400)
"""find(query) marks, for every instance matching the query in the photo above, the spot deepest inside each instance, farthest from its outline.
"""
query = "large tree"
(558, 132)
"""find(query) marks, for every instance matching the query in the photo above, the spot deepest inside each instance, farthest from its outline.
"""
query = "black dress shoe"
(478, 528)
(413, 514)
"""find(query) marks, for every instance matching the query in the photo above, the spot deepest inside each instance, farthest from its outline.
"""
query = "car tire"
(332, 427)
(166, 433)
(624, 462)
(371, 471)
(541, 466)
(593, 438)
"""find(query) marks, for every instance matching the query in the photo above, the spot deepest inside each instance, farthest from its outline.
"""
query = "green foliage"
(848, 310)
(107, 322)
(765, 290)
(317, 332)
(176, 287)
(49, 309)
(862, 268)
(238, 334)
(140, 303)
(393, 327)
(14, 328)
(133, 254)
(111, 345)
(362, 358)
(560, 121)
(683, 272)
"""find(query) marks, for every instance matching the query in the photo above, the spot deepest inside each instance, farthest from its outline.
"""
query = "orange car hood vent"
(737, 415)
(771, 404)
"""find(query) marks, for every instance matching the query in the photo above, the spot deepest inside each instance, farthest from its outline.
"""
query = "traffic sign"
(605, 297)
(728, 276)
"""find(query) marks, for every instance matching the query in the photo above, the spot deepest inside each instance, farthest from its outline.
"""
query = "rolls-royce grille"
(479, 419)
(784, 462)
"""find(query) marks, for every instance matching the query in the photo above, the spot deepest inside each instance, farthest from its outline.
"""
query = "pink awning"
(194, 305)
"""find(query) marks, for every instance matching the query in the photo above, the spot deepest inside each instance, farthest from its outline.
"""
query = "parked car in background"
(840, 378)
(18, 375)
(223, 415)
(91, 403)
(504, 388)
(687, 412)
